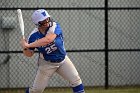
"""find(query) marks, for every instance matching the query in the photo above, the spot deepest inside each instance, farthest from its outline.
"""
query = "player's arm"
(50, 36)
(43, 41)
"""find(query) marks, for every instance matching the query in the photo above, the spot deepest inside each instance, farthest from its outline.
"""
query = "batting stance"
(47, 37)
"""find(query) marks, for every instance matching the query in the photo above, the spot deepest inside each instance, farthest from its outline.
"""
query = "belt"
(52, 61)
(56, 61)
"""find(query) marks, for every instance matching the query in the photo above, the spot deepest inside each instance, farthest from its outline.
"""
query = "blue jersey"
(53, 51)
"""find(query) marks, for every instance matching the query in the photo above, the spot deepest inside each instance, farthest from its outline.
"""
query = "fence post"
(106, 44)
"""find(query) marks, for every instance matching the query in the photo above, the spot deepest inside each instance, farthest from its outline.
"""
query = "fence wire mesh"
(84, 30)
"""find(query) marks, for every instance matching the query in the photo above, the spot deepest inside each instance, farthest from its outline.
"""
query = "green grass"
(88, 90)
(118, 90)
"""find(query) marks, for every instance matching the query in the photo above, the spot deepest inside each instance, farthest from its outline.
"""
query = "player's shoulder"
(33, 32)
(55, 23)
(53, 27)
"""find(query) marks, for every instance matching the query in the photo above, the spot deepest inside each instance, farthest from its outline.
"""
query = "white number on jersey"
(50, 49)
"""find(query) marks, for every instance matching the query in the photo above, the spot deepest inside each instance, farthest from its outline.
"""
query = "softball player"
(48, 39)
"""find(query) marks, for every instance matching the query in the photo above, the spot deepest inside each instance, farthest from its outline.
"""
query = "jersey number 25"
(50, 49)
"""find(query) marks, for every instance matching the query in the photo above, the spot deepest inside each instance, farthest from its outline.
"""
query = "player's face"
(44, 23)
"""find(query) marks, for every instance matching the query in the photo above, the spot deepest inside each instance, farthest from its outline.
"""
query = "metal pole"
(106, 44)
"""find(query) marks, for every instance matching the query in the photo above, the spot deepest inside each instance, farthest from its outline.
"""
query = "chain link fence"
(83, 24)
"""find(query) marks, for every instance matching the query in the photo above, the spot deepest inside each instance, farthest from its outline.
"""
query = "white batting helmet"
(39, 15)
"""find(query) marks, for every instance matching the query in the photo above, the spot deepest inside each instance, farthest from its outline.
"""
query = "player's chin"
(44, 27)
